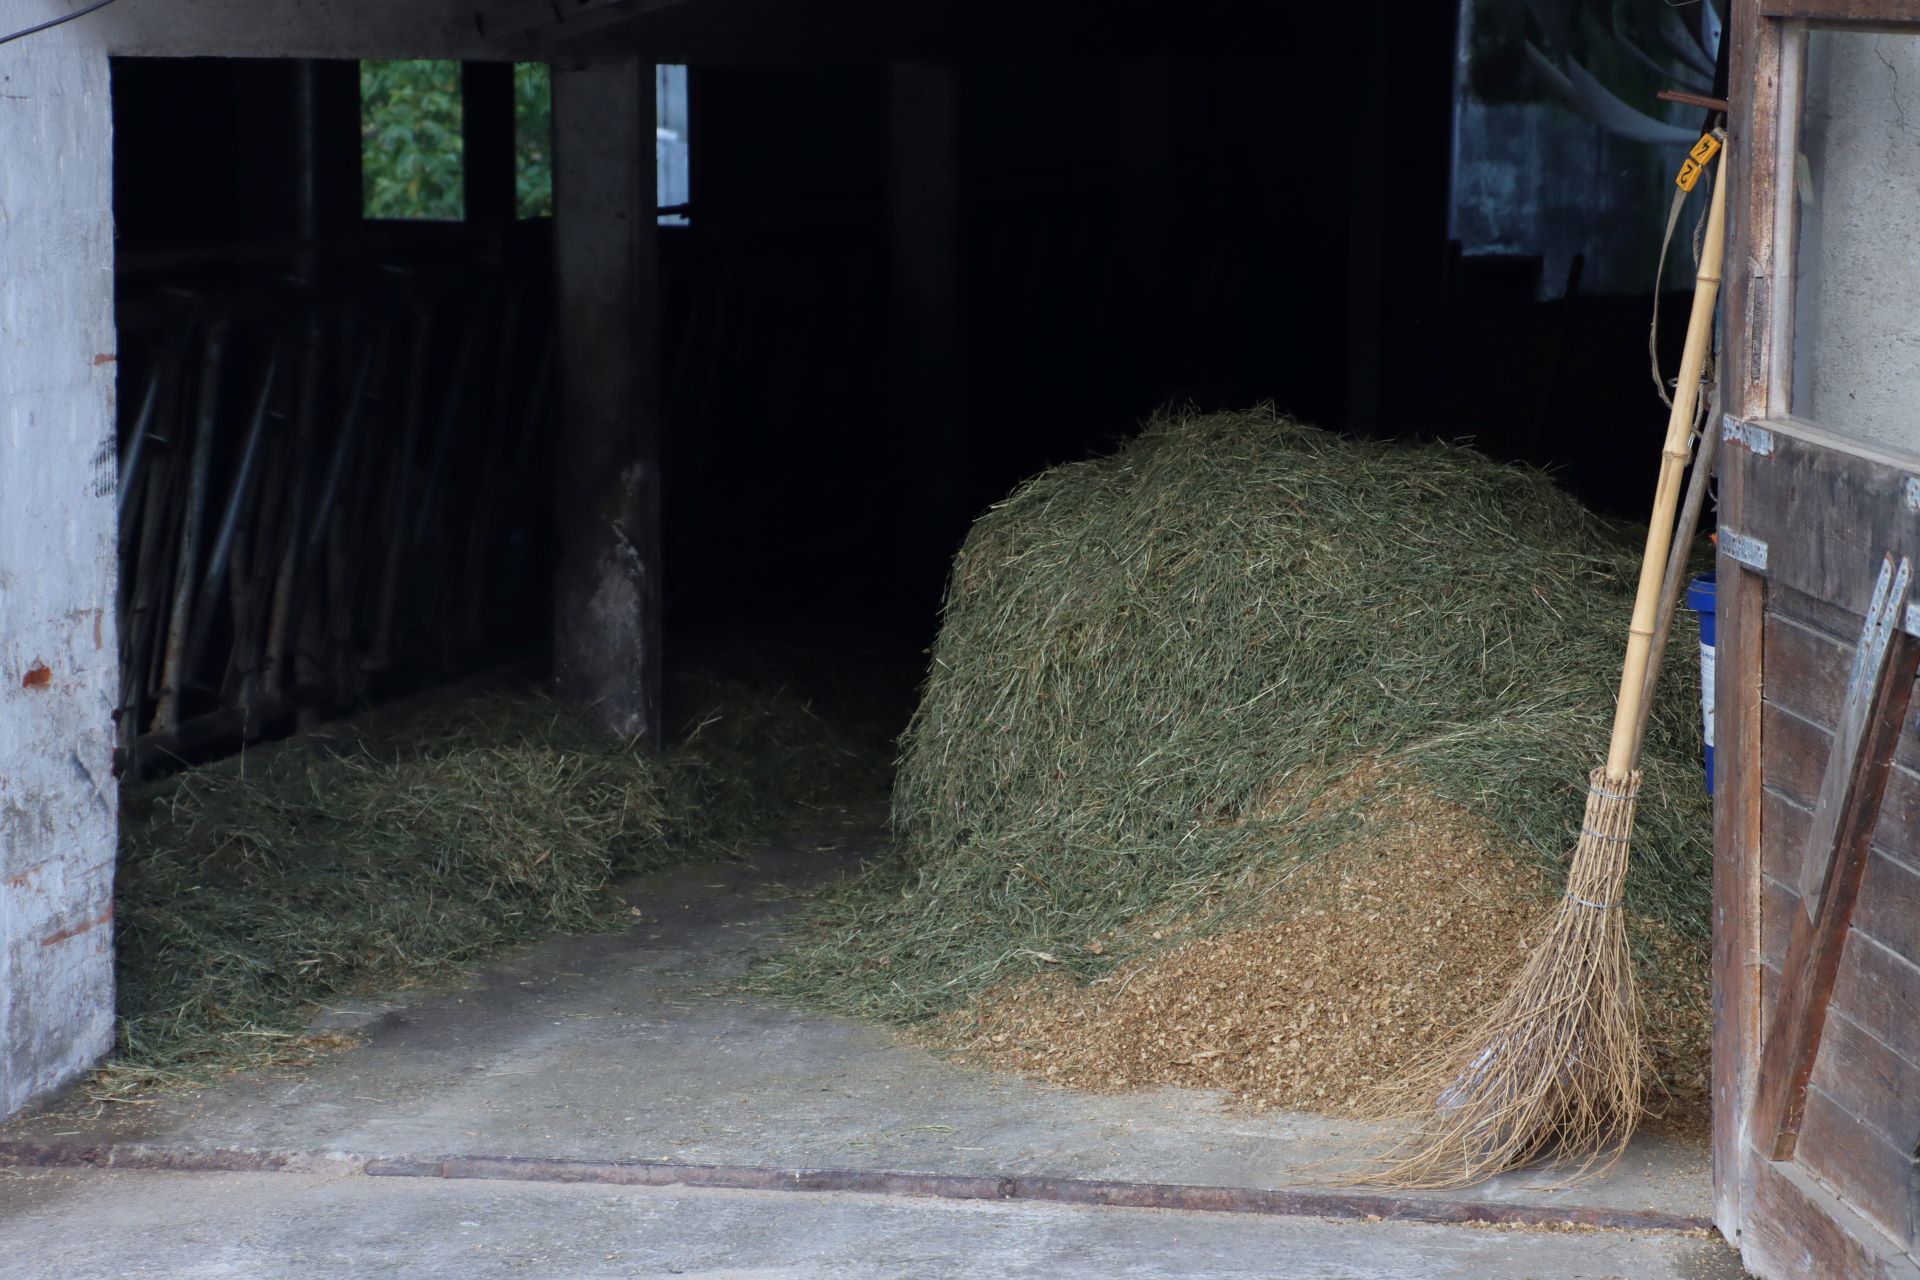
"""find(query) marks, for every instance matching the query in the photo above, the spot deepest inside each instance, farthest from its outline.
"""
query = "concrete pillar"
(58, 472)
(607, 464)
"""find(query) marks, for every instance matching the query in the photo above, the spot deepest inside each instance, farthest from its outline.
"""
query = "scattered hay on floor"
(405, 846)
(1155, 669)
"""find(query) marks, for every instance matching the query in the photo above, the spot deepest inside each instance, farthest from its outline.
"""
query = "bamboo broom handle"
(1666, 497)
(1673, 582)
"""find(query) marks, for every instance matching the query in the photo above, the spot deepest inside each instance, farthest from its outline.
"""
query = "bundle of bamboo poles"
(316, 491)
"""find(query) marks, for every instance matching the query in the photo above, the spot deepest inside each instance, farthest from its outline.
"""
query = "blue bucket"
(1700, 600)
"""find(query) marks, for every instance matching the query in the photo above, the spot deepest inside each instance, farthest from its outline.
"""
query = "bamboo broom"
(1556, 1067)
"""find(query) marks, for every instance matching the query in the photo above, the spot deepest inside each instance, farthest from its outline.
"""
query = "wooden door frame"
(1775, 1212)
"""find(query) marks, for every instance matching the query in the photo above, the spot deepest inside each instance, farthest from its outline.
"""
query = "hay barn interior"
(993, 479)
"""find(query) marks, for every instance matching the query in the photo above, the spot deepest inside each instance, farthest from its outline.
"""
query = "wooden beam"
(607, 467)
(1372, 130)
(1879, 689)
(289, 29)
(1742, 373)
(542, 20)
(512, 19)
(486, 130)
(1736, 861)
(1701, 100)
(327, 137)
(1870, 719)
(1878, 12)
(1745, 367)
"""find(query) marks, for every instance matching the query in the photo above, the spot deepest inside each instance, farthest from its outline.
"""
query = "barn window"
(670, 149)
(533, 139)
(1854, 171)
(410, 141)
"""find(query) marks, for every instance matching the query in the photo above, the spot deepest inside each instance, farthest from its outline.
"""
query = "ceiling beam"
(546, 21)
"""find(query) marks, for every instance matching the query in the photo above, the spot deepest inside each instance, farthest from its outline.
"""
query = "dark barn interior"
(917, 266)
(942, 599)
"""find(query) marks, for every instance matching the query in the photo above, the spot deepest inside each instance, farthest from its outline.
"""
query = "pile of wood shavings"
(1357, 963)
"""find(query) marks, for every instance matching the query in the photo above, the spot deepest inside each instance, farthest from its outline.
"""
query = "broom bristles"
(1556, 1067)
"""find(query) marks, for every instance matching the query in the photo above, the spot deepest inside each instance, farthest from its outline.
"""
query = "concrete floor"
(301, 1226)
(633, 1047)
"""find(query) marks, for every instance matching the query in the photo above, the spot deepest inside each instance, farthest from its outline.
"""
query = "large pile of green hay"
(406, 845)
(1156, 668)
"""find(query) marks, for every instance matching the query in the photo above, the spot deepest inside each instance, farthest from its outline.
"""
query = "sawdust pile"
(1135, 648)
(1355, 964)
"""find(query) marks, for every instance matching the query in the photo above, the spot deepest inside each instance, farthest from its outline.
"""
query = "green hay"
(1153, 666)
(405, 846)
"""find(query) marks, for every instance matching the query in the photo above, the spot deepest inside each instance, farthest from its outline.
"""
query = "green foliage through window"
(533, 139)
(410, 140)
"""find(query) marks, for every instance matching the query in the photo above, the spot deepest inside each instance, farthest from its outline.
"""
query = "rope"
(1659, 274)
(1680, 195)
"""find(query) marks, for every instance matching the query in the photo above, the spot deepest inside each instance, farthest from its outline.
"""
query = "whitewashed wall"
(58, 669)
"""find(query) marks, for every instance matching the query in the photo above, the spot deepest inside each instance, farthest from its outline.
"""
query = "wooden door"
(1817, 840)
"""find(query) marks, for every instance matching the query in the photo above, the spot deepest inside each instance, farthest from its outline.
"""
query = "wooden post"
(1398, 130)
(1744, 376)
(486, 149)
(607, 462)
(327, 124)
(1367, 229)
(924, 218)
(1736, 855)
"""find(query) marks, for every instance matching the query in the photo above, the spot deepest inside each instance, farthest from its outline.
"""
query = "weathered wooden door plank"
(1879, 688)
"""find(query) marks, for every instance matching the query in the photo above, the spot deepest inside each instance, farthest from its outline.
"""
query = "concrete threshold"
(1094, 1192)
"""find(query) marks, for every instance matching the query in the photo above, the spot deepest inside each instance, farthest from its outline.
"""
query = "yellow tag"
(1697, 161)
